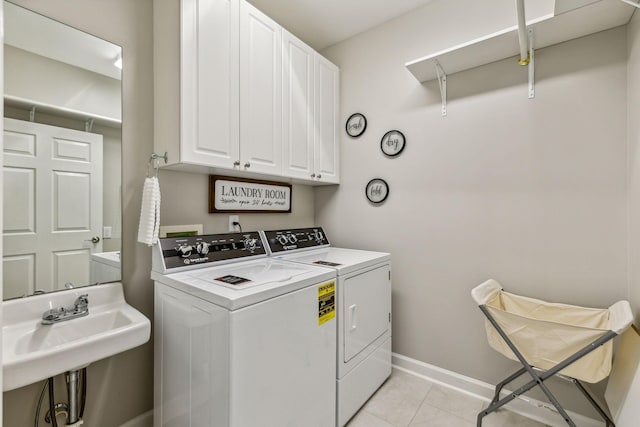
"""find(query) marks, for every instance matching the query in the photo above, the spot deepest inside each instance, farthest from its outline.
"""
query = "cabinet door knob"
(236, 163)
(313, 175)
(247, 165)
(319, 176)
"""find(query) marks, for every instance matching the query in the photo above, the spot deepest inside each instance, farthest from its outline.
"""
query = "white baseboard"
(531, 408)
(142, 420)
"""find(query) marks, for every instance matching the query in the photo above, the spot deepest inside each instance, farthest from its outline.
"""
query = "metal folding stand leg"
(593, 402)
(537, 380)
(501, 384)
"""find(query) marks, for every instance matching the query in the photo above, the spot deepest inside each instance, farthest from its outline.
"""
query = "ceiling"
(322, 23)
(46, 37)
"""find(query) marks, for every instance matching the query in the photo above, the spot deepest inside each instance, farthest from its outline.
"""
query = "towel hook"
(156, 166)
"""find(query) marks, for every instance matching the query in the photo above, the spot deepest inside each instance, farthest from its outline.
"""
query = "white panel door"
(298, 87)
(260, 92)
(209, 82)
(366, 308)
(52, 206)
(327, 150)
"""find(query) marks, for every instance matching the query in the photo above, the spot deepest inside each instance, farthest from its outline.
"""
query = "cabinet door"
(209, 82)
(327, 150)
(260, 92)
(298, 85)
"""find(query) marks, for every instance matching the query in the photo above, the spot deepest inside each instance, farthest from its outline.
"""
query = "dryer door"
(366, 308)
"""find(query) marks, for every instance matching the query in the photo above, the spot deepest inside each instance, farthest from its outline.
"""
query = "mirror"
(62, 156)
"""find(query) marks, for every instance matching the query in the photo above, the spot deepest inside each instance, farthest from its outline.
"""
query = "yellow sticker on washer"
(326, 302)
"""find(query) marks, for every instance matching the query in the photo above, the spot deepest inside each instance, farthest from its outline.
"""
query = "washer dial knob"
(292, 239)
(184, 250)
(250, 244)
(202, 248)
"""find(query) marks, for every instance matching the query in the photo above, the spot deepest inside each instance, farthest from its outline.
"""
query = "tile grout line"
(444, 410)
(377, 417)
(421, 403)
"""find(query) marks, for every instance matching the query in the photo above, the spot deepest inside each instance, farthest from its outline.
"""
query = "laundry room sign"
(227, 194)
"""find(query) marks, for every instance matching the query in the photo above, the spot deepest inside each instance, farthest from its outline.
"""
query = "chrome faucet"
(80, 308)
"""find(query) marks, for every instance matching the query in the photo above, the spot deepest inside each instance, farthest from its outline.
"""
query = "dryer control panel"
(181, 253)
(280, 241)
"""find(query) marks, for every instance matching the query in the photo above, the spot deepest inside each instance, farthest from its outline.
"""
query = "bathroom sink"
(32, 351)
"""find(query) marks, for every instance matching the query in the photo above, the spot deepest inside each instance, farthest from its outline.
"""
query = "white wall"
(529, 192)
(633, 137)
(34, 77)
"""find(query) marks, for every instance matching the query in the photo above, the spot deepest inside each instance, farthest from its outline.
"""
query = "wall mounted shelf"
(570, 20)
(40, 107)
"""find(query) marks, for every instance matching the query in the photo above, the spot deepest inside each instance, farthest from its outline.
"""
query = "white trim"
(142, 420)
(530, 408)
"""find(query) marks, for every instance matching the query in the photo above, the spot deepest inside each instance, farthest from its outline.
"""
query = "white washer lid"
(341, 259)
(256, 281)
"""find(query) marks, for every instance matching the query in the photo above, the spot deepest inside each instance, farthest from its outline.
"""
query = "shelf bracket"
(635, 3)
(88, 125)
(442, 82)
(531, 67)
(32, 114)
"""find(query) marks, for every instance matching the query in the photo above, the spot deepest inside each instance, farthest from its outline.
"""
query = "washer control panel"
(279, 241)
(195, 251)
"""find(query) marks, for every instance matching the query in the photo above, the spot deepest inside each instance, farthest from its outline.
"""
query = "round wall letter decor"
(392, 143)
(377, 190)
(356, 125)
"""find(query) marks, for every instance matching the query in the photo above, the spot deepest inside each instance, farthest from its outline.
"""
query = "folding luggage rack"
(552, 338)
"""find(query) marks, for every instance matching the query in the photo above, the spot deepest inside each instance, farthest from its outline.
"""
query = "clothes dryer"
(241, 340)
(363, 310)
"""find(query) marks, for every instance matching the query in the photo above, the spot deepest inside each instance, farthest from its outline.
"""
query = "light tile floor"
(406, 400)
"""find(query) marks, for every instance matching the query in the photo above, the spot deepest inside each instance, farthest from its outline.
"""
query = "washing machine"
(240, 339)
(363, 310)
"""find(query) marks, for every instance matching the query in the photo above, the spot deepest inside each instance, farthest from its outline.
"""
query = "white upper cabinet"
(196, 86)
(298, 124)
(235, 96)
(310, 113)
(326, 147)
(260, 92)
(209, 82)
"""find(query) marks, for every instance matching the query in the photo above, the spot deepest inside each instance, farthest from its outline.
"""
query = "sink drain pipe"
(77, 397)
(72, 395)
(76, 384)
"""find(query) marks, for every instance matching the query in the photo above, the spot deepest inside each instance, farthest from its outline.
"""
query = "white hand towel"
(149, 226)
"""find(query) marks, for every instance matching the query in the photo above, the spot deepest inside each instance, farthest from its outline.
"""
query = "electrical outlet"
(232, 219)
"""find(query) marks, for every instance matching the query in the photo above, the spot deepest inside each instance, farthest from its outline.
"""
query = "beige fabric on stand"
(547, 333)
